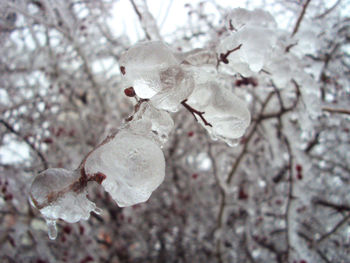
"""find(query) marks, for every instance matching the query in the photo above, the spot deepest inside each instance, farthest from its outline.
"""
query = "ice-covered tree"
(225, 141)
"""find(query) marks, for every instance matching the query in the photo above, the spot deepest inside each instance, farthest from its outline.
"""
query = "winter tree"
(222, 139)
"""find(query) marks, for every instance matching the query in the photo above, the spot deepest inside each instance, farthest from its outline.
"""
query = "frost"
(227, 114)
(134, 167)
(307, 42)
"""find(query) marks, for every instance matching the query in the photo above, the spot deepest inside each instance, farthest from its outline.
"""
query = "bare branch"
(300, 18)
(340, 111)
(31, 145)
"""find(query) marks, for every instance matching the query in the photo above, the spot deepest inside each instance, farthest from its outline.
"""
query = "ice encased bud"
(228, 114)
(134, 166)
(142, 63)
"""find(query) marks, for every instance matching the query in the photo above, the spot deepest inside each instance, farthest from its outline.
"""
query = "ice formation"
(177, 84)
(141, 65)
(152, 69)
(168, 79)
(227, 114)
(130, 165)
(134, 167)
(56, 193)
(152, 123)
(255, 32)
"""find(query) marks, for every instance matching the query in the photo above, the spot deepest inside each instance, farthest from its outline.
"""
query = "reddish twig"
(223, 57)
(196, 112)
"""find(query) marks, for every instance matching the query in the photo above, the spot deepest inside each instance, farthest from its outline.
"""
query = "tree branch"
(300, 18)
(31, 145)
(340, 111)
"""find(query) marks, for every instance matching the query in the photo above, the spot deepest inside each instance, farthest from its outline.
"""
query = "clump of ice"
(256, 45)
(134, 166)
(256, 33)
(154, 72)
(228, 115)
(55, 194)
(240, 17)
(152, 123)
(142, 64)
(177, 84)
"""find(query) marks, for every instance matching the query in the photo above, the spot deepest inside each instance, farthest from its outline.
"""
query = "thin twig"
(290, 195)
(31, 145)
(329, 10)
(334, 229)
(196, 112)
(138, 13)
(340, 111)
(300, 18)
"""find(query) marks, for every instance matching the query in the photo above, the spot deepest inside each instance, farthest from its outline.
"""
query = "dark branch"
(223, 57)
(31, 145)
(300, 18)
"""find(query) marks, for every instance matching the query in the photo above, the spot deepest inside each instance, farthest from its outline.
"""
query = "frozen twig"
(196, 112)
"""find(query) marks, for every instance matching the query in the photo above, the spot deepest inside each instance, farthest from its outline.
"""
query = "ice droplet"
(51, 228)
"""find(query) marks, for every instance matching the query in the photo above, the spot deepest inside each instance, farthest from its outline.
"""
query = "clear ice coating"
(240, 17)
(142, 64)
(228, 115)
(51, 228)
(255, 31)
(55, 194)
(256, 46)
(151, 123)
(134, 166)
(152, 69)
(176, 85)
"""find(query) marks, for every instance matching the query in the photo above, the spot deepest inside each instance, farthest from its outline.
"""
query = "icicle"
(51, 228)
